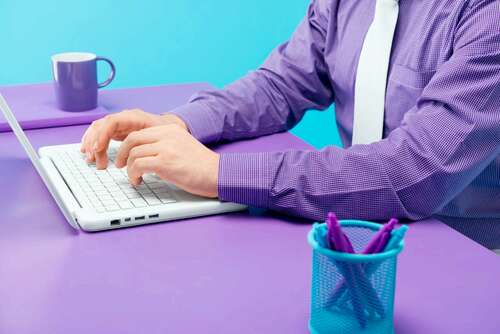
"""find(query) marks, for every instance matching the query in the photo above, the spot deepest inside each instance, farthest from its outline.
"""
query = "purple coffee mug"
(75, 80)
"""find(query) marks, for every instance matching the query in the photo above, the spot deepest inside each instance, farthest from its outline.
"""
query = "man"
(423, 75)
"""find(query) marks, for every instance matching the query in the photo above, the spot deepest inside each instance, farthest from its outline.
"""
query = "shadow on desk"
(259, 212)
(485, 232)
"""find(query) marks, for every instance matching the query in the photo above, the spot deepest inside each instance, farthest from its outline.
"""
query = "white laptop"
(95, 200)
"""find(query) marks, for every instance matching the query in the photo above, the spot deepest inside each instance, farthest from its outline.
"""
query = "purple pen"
(374, 245)
(384, 239)
(329, 232)
(386, 235)
(339, 240)
(335, 233)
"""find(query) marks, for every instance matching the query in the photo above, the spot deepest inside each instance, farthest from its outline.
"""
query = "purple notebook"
(34, 105)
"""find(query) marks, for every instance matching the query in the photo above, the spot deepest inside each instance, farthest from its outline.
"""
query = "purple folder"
(34, 105)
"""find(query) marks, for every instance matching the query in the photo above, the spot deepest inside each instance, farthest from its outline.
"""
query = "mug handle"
(111, 75)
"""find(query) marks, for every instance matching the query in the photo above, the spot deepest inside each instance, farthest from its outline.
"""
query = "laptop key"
(139, 202)
(145, 192)
(82, 199)
(97, 187)
(126, 186)
(106, 197)
(130, 191)
(164, 195)
(108, 203)
(166, 198)
(133, 195)
(125, 204)
(95, 201)
(101, 192)
(108, 182)
(157, 185)
(152, 199)
(119, 197)
(164, 190)
(114, 207)
(113, 189)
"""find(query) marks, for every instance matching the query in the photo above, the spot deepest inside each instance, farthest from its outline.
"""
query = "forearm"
(309, 184)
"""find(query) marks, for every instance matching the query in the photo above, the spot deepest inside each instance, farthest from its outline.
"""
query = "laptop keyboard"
(109, 190)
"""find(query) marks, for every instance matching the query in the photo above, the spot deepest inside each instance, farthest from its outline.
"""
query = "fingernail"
(88, 156)
(94, 147)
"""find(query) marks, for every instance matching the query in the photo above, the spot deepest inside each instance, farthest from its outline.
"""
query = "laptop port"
(115, 222)
(140, 218)
(127, 219)
(154, 216)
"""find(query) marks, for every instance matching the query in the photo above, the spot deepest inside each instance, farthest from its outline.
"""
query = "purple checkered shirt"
(440, 152)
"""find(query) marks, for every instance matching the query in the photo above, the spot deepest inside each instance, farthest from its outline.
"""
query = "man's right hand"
(118, 126)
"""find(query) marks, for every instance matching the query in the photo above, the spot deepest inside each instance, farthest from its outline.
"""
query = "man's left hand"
(173, 154)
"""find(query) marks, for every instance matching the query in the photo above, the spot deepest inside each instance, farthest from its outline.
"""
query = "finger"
(134, 139)
(101, 141)
(86, 136)
(101, 159)
(141, 151)
(140, 167)
(88, 139)
(90, 157)
(107, 127)
(82, 142)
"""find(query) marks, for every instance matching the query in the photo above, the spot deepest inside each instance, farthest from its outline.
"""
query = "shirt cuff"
(246, 178)
(199, 120)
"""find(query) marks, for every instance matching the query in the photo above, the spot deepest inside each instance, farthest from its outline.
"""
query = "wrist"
(173, 119)
(214, 176)
(202, 122)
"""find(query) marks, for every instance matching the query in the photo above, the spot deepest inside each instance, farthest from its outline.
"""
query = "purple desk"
(235, 273)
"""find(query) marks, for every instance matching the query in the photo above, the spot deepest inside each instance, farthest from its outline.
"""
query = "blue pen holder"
(352, 293)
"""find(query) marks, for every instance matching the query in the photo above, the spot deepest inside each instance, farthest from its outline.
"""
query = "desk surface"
(235, 273)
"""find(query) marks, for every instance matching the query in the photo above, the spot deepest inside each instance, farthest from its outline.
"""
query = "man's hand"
(173, 154)
(118, 126)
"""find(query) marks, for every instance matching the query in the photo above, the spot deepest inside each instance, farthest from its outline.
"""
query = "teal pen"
(396, 237)
(320, 235)
(386, 235)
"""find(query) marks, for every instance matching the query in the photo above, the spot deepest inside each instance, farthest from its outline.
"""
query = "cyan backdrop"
(154, 42)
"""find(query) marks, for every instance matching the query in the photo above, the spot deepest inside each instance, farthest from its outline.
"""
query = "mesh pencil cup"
(352, 293)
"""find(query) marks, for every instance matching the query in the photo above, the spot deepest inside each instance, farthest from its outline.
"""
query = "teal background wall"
(154, 42)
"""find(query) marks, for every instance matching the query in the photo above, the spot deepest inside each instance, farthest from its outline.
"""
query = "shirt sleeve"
(273, 98)
(443, 143)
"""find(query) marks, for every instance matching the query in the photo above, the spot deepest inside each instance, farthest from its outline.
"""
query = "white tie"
(371, 77)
